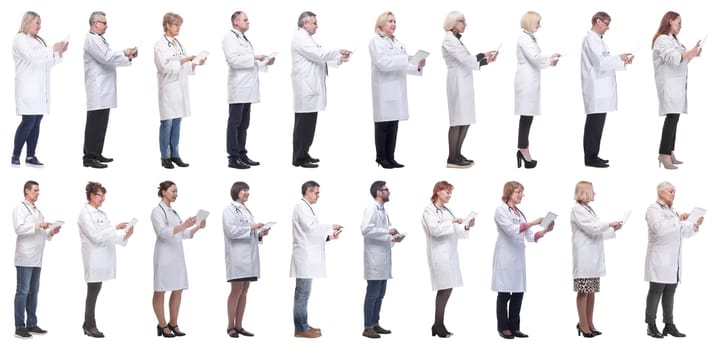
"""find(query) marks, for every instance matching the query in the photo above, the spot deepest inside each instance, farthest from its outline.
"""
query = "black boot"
(672, 330)
(652, 331)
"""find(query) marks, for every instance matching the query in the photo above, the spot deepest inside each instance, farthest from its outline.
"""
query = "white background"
(344, 142)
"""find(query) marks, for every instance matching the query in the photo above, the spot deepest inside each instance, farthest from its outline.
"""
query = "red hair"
(440, 186)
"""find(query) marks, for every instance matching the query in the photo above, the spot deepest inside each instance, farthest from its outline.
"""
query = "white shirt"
(98, 238)
(100, 72)
(377, 243)
(242, 253)
(308, 243)
(30, 240)
(33, 60)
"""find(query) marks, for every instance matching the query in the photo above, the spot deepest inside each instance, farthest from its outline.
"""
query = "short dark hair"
(28, 185)
(308, 186)
(376, 187)
(236, 188)
(93, 187)
(164, 186)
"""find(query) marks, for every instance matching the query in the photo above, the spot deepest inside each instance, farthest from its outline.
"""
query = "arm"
(454, 49)
(371, 229)
(25, 223)
(505, 224)
(102, 53)
(532, 52)
(165, 62)
(37, 54)
(98, 235)
(237, 56)
(307, 48)
(384, 61)
(438, 228)
(235, 228)
(593, 49)
(669, 53)
(590, 225)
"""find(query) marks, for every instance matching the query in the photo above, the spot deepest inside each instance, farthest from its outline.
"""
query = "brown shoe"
(370, 333)
(316, 330)
(307, 334)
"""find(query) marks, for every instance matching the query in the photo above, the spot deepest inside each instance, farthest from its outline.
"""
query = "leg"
(378, 304)
(233, 301)
(31, 305)
(311, 126)
(462, 135)
(242, 302)
(175, 301)
(380, 141)
(175, 138)
(95, 129)
(453, 138)
(24, 275)
(669, 132)
(165, 131)
(370, 302)
(502, 317)
(234, 120)
(590, 311)
(593, 128)
(158, 306)
(303, 287)
(244, 125)
(33, 137)
(525, 124)
(302, 137)
(515, 306)
(22, 134)
(93, 290)
(667, 303)
(392, 128)
(582, 311)
(653, 297)
(440, 304)
(297, 157)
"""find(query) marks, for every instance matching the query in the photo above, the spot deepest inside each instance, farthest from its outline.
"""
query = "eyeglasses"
(384, 190)
(103, 22)
(462, 21)
(605, 22)
(99, 194)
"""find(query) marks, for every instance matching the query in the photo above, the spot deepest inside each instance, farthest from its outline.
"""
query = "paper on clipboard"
(625, 217)
(201, 215)
(420, 55)
(695, 214)
(267, 226)
(130, 224)
(548, 219)
(701, 43)
(271, 56)
(55, 225)
(200, 56)
(469, 217)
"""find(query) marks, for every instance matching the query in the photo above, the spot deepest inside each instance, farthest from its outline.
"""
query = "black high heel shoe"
(161, 332)
(440, 331)
(528, 164)
(175, 330)
(590, 334)
(395, 164)
(385, 164)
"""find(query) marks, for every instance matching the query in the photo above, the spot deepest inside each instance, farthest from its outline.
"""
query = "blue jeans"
(27, 132)
(373, 302)
(28, 284)
(170, 138)
(303, 287)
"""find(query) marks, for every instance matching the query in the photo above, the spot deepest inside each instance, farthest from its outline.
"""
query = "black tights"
(456, 137)
(440, 305)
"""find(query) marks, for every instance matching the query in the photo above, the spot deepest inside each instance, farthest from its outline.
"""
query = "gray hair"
(304, 17)
(451, 20)
(95, 16)
(665, 185)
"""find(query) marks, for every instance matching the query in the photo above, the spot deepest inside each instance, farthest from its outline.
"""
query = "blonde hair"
(381, 21)
(583, 192)
(451, 20)
(171, 18)
(529, 21)
(28, 17)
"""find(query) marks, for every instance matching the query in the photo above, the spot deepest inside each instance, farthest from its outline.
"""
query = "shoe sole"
(457, 166)
(23, 337)
(15, 165)
(34, 165)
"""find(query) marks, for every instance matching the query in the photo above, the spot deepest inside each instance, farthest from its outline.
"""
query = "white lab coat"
(442, 254)
(663, 263)
(377, 243)
(588, 235)
(98, 238)
(243, 82)
(173, 90)
(33, 60)
(527, 80)
(599, 81)
(100, 72)
(308, 243)
(670, 74)
(390, 66)
(168, 260)
(30, 241)
(460, 80)
(509, 267)
(242, 253)
(309, 72)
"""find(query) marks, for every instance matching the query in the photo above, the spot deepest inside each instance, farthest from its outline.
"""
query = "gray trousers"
(665, 293)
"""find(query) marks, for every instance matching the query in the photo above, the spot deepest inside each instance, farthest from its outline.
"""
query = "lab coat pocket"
(390, 90)
(603, 88)
(309, 89)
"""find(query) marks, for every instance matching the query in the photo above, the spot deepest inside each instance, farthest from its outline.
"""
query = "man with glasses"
(378, 241)
(100, 87)
(599, 86)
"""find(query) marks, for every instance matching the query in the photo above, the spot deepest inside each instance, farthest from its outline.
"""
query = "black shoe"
(161, 332)
(395, 164)
(166, 163)
(238, 164)
(458, 163)
(519, 334)
(93, 332)
(506, 336)
(603, 160)
(385, 164)
(179, 162)
(596, 164)
(370, 333)
(439, 331)
(307, 165)
(232, 332)
(652, 331)
(669, 329)
(465, 159)
(249, 161)
(245, 333)
(22, 333)
(381, 330)
(103, 159)
(313, 160)
(93, 163)
(589, 334)
(175, 330)
(36, 330)
(528, 164)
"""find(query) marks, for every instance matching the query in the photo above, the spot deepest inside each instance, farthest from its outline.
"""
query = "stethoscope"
(514, 215)
(39, 39)
(238, 35)
(663, 206)
(386, 216)
(30, 211)
(391, 42)
(239, 212)
(440, 213)
(171, 44)
(309, 206)
(165, 213)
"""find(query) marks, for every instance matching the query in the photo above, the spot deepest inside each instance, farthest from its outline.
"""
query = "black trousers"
(593, 128)
(237, 124)
(95, 129)
(508, 321)
(665, 293)
(525, 123)
(385, 139)
(93, 290)
(302, 137)
(669, 134)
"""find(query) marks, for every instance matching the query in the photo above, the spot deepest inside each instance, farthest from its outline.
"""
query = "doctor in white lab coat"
(460, 85)
(308, 254)
(671, 67)
(170, 271)
(509, 267)
(379, 238)
(98, 238)
(442, 230)
(33, 60)
(32, 232)
(599, 86)
(242, 255)
(527, 82)
(390, 66)
(309, 71)
(174, 66)
(243, 88)
(663, 265)
(588, 235)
